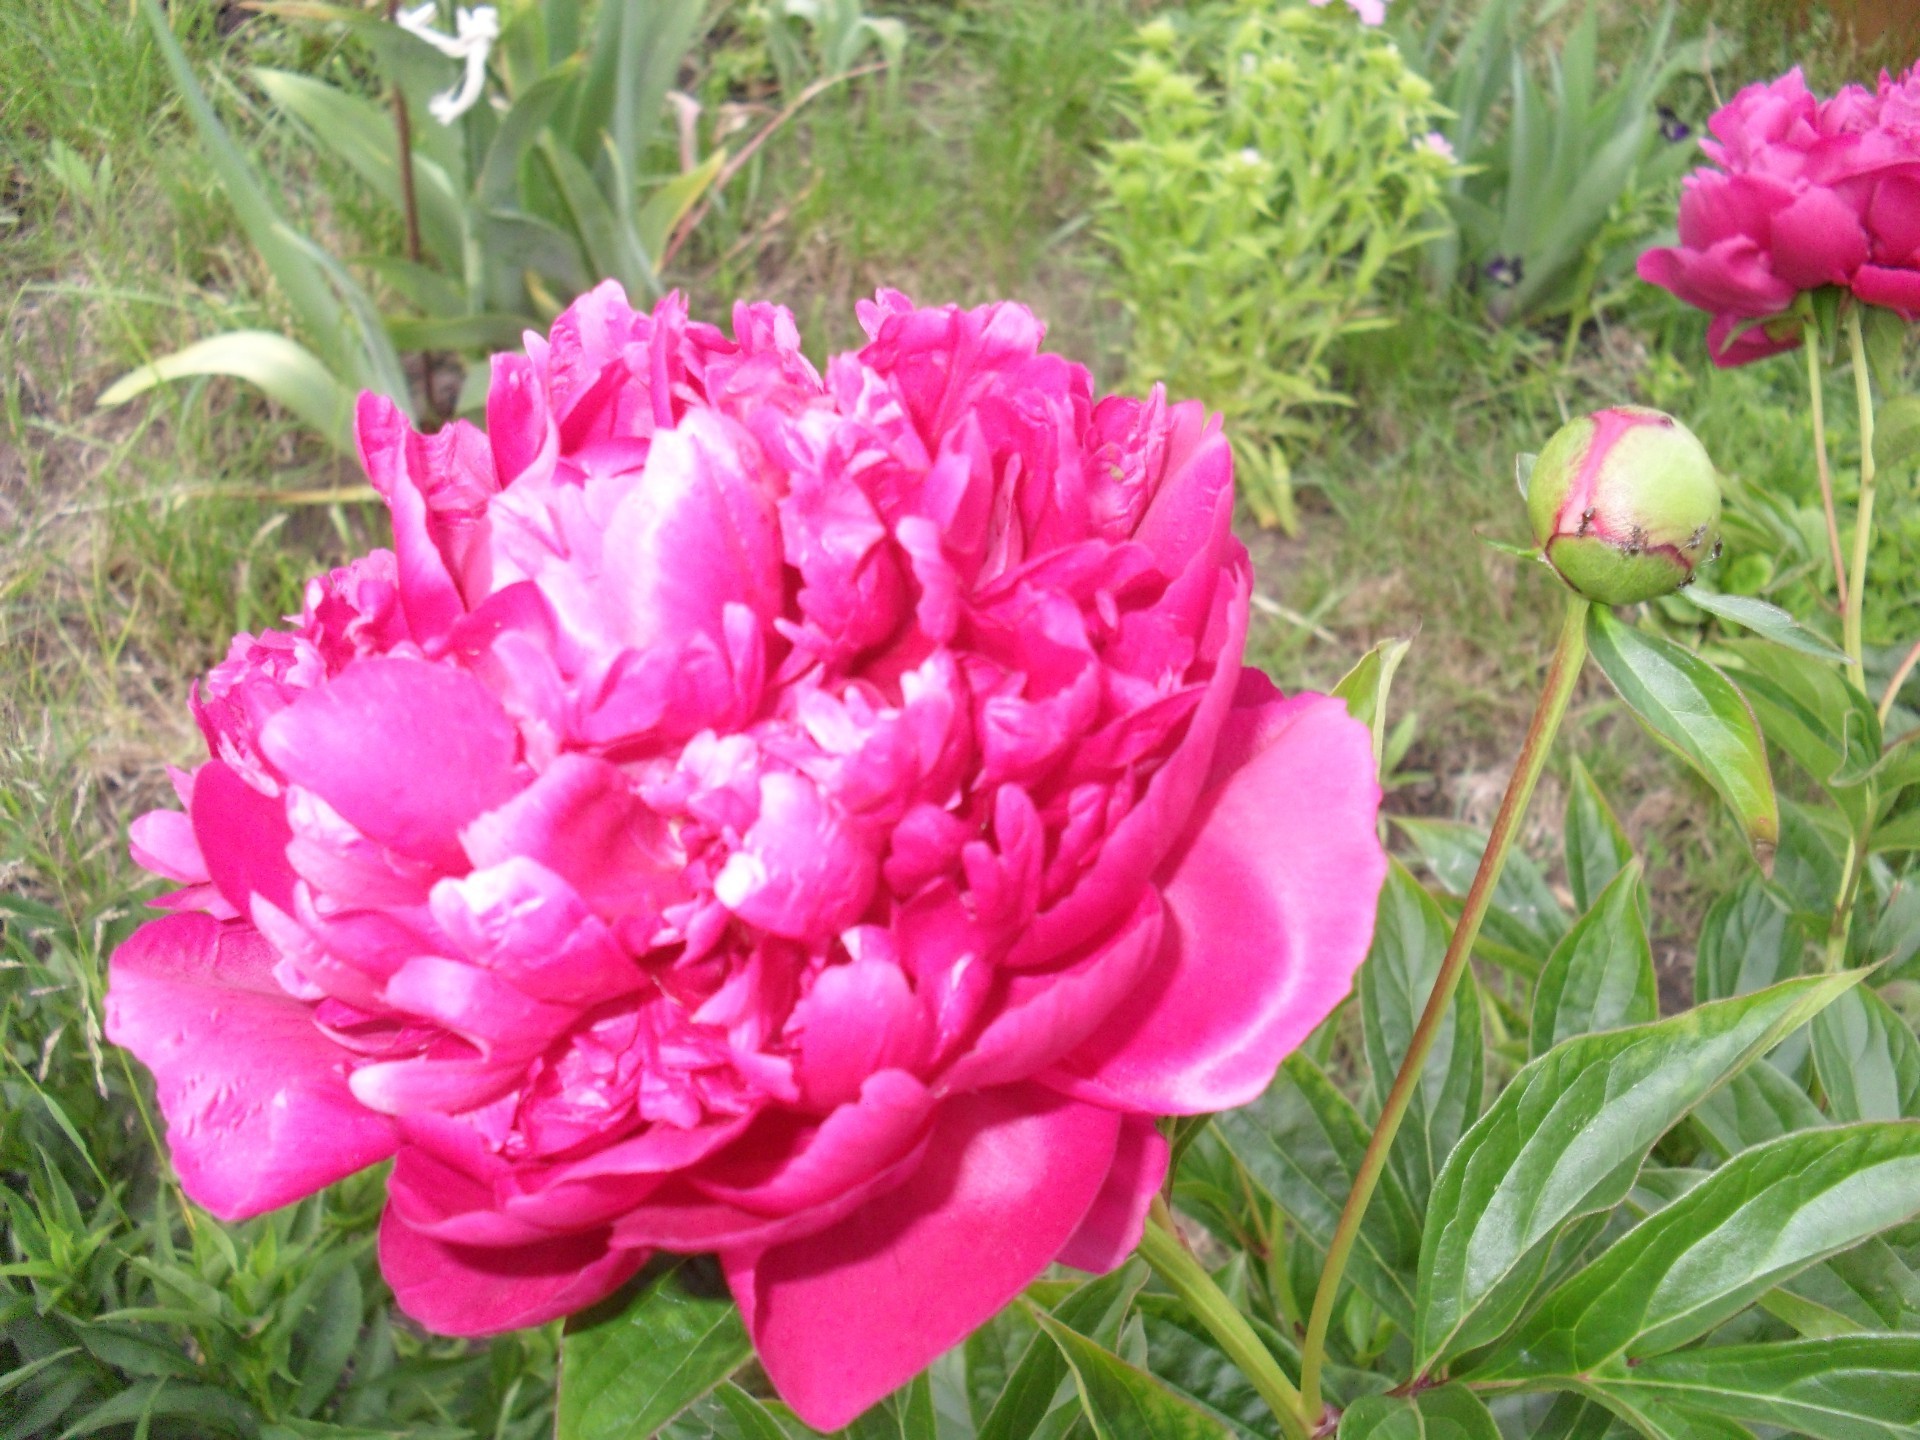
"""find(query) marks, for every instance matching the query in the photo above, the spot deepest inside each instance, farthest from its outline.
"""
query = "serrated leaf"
(1447, 1412)
(1850, 1387)
(625, 1374)
(285, 369)
(1125, 1403)
(1600, 976)
(1365, 688)
(1896, 432)
(1694, 710)
(1410, 937)
(1566, 1139)
(1596, 843)
(1302, 1143)
(1867, 1059)
(1762, 1218)
(1766, 620)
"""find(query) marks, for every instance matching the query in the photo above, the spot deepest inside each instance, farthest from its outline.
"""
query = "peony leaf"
(1365, 688)
(1896, 432)
(1600, 976)
(1759, 1104)
(1565, 1140)
(1696, 711)
(627, 1371)
(1125, 1403)
(1597, 848)
(1760, 1219)
(1302, 1143)
(1448, 1412)
(1097, 1308)
(1867, 1058)
(1765, 620)
(1850, 1387)
(1409, 941)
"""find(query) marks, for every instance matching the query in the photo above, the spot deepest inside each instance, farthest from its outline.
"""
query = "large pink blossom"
(821, 821)
(1808, 193)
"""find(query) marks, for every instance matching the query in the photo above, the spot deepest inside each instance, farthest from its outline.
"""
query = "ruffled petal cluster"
(821, 820)
(1808, 193)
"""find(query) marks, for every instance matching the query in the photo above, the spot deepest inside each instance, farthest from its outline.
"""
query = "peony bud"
(1625, 504)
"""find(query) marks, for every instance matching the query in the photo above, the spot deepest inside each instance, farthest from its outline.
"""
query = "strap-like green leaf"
(285, 369)
(626, 1374)
(1767, 620)
(1447, 1412)
(1696, 711)
(1098, 1309)
(1409, 941)
(1596, 843)
(1766, 1215)
(1869, 1061)
(1126, 1403)
(1366, 686)
(1566, 1139)
(1600, 976)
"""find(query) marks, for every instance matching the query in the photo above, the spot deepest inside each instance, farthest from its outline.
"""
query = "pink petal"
(243, 836)
(1885, 286)
(1113, 1226)
(1818, 240)
(843, 1317)
(404, 751)
(1271, 902)
(256, 1100)
(427, 592)
(471, 1290)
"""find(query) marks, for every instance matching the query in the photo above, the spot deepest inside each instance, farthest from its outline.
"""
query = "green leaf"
(1747, 942)
(625, 1372)
(519, 129)
(1365, 688)
(1766, 620)
(285, 369)
(1596, 844)
(1896, 432)
(1447, 1412)
(750, 1417)
(1867, 1059)
(1566, 1139)
(1696, 711)
(1125, 1403)
(1409, 941)
(1301, 1143)
(1850, 1387)
(1812, 713)
(1097, 1309)
(1759, 1104)
(1760, 1219)
(1601, 975)
(670, 202)
(457, 332)
(1524, 914)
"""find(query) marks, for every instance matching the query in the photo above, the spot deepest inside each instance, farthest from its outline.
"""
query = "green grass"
(133, 543)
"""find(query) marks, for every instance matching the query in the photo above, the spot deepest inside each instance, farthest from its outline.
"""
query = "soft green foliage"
(1277, 175)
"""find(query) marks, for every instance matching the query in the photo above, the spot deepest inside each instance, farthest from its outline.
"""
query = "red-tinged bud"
(1625, 505)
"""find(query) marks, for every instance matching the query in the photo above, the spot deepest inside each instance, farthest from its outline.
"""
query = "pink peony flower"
(821, 821)
(1809, 193)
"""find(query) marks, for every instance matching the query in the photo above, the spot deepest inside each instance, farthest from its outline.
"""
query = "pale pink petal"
(255, 1096)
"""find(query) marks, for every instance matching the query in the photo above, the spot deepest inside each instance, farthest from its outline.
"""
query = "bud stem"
(1811, 344)
(1863, 519)
(1163, 1249)
(1562, 672)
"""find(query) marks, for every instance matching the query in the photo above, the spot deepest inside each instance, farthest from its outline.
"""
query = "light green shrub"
(1278, 169)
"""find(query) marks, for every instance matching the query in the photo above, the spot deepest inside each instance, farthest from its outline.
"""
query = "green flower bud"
(1625, 504)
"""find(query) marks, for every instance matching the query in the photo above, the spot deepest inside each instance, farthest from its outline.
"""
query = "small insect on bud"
(1625, 505)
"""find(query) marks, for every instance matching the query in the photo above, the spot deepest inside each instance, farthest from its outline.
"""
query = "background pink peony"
(819, 820)
(1808, 193)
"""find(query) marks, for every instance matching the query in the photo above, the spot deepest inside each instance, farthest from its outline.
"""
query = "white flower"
(475, 32)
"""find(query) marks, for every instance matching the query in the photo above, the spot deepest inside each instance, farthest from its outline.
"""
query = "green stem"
(1863, 519)
(1161, 1248)
(1562, 672)
(1840, 926)
(1816, 394)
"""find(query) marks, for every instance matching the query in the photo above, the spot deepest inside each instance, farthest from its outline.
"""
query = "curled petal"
(1113, 1226)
